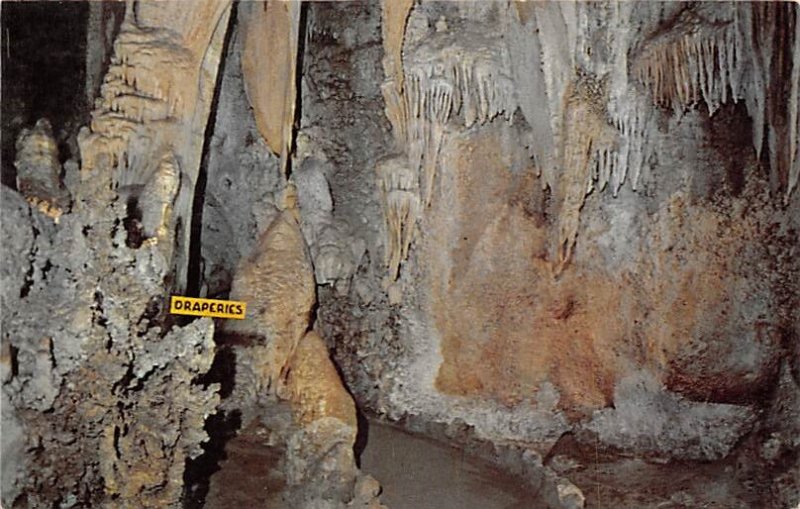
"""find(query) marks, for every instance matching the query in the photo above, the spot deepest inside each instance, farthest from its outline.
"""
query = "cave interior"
(493, 254)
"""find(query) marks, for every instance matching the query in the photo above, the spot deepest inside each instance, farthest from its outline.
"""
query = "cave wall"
(546, 292)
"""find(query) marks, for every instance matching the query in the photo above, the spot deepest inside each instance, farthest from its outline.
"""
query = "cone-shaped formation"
(271, 31)
(314, 386)
(277, 282)
(587, 137)
(38, 170)
(158, 197)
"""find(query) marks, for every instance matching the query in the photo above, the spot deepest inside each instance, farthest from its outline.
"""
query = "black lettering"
(196, 306)
(238, 309)
(178, 304)
(204, 306)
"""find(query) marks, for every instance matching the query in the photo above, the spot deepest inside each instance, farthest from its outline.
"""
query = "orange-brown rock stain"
(507, 324)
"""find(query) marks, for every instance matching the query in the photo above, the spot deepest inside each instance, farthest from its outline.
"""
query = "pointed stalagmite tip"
(288, 199)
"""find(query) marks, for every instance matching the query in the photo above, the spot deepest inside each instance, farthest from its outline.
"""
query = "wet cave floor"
(417, 472)
(420, 473)
(414, 472)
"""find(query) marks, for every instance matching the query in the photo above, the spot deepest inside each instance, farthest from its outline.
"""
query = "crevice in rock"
(133, 224)
(194, 281)
(298, 84)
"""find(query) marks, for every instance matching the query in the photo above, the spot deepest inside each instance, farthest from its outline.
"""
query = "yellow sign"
(207, 307)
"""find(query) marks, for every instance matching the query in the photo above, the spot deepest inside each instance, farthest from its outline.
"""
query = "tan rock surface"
(314, 387)
(269, 61)
(277, 282)
(155, 98)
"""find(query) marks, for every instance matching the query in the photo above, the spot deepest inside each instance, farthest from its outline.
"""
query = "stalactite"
(794, 115)
(452, 75)
(531, 89)
(702, 54)
(556, 24)
(394, 16)
(448, 76)
(133, 98)
(399, 190)
(626, 161)
(395, 109)
(269, 55)
(157, 96)
(693, 58)
(588, 142)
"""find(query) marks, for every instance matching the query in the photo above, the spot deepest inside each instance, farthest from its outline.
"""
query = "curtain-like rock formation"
(271, 34)
(156, 99)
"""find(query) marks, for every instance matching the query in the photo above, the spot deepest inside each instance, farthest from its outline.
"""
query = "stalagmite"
(314, 386)
(269, 56)
(279, 356)
(475, 273)
(320, 453)
(278, 283)
(158, 198)
(38, 170)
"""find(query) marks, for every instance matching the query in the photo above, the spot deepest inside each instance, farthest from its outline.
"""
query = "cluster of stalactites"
(448, 79)
(135, 98)
(624, 160)
(449, 76)
(691, 60)
(736, 56)
(399, 189)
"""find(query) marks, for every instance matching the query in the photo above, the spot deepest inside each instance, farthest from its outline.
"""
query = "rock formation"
(559, 236)
(39, 170)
